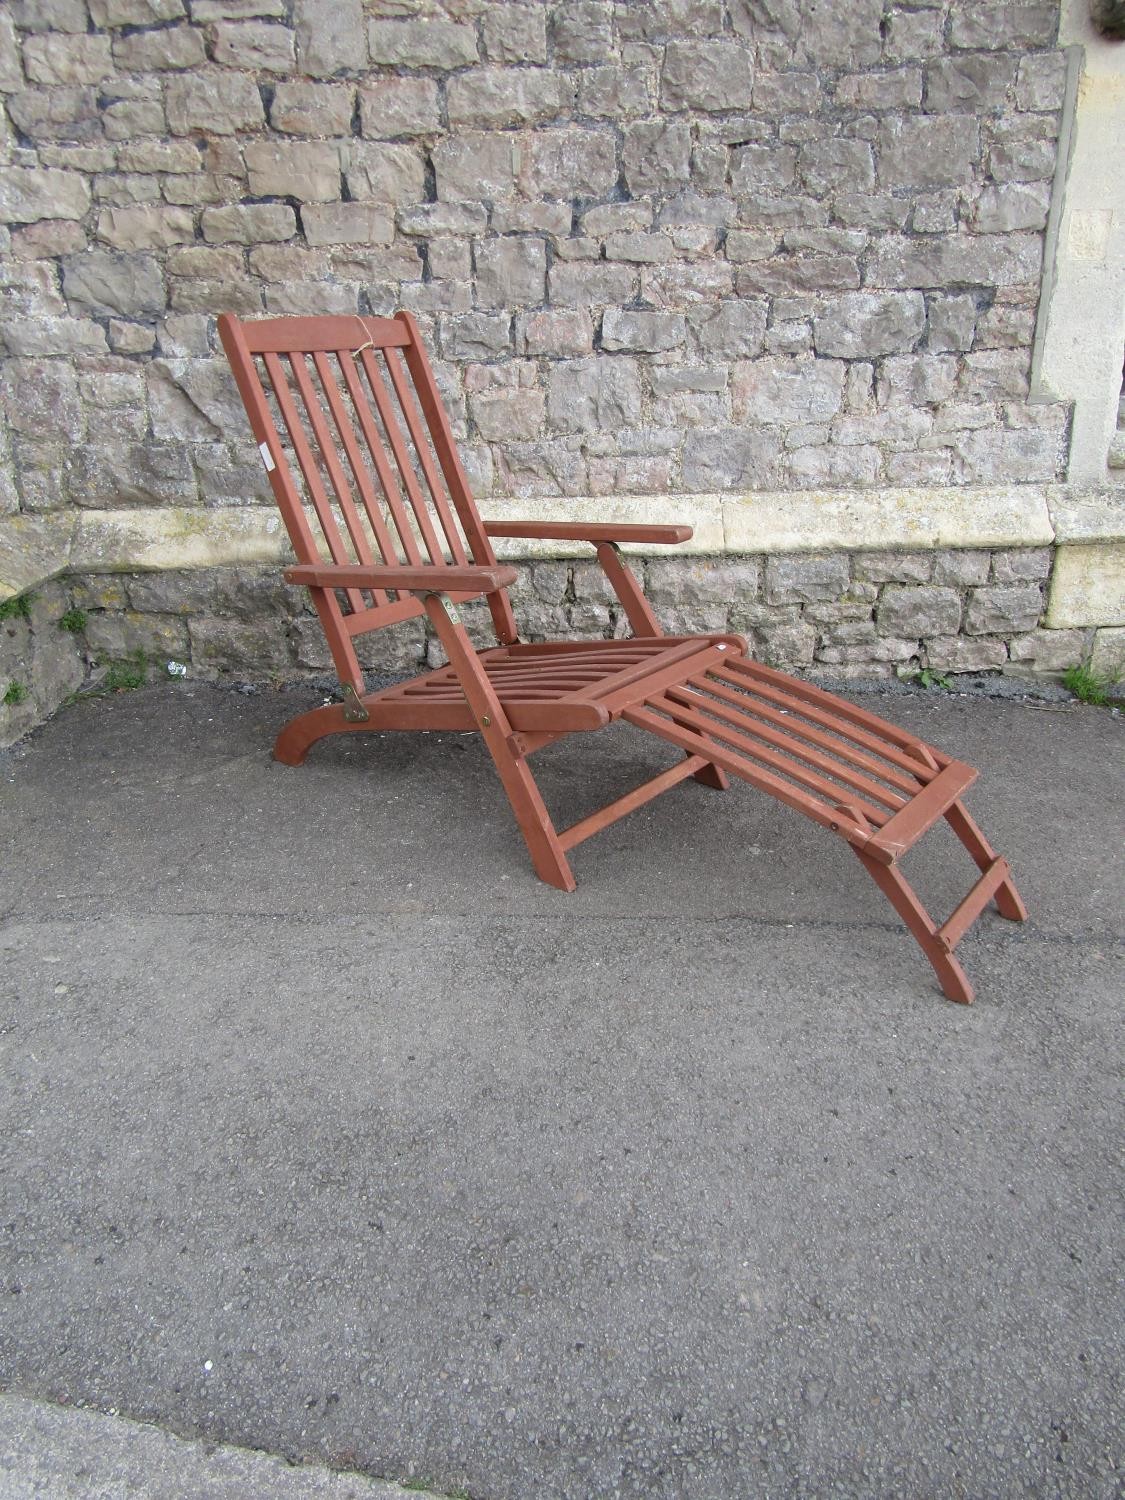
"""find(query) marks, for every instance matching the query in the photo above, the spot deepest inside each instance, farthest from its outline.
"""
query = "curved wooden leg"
(301, 733)
(951, 976)
(1009, 903)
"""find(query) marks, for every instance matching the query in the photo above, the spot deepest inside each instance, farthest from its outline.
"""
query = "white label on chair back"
(267, 457)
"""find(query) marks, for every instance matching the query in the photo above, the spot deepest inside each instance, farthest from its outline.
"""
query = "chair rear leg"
(1009, 903)
(890, 880)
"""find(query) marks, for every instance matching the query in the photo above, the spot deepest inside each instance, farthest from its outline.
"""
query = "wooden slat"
(321, 503)
(425, 458)
(584, 531)
(374, 441)
(287, 335)
(742, 677)
(585, 827)
(435, 578)
(952, 931)
(675, 664)
(908, 826)
(724, 755)
(692, 694)
(354, 453)
(798, 728)
(807, 693)
(401, 456)
(713, 729)
(360, 544)
(437, 419)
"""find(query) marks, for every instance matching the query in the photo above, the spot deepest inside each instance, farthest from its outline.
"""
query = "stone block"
(961, 569)
(757, 169)
(639, 249)
(41, 396)
(863, 325)
(829, 33)
(682, 581)
(251, 647)
(114, 13)
(787, 389)
(962, 653)
(1022, 161)
(582, 32)
(1088, 586)
(130, 474)
(570, 164)
(836, 165)
(730, 330)
(308, 170)
(492, 98)
(330, 37)
(515, 34)
(171, 49)
(397, 174)
(1020, 456)
(975, 84)
(1004, 25)
(1002, 609)
(892, 88)
(248, 224)
(558, 332)
(656, 156)
(590, 394)
(31, 193)
(103, 282)
(1051, 651)
(707, 76)
(148, 227)
(730, 458)
(904, 611)
(348, 223)
(1008, 206)
(615, 93)
(1041, 81)
(503, 414)
(510, 273)
(1107, 658)
(642, 332)
(951, 322)
(927, 151)
(917, 380)
(49, 114)
(399, 106)
(47, 336)
(1022, 564)
(58, 58)
(120, 635)
(302, 108)
(421, 43)
(893, 567)
(585, 285)
(213, 101)
(257, 46)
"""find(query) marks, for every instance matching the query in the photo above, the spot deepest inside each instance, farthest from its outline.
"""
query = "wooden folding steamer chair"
(391, 530)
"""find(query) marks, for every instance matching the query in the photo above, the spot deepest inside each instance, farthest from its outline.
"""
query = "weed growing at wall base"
(1088, 687)
(16, 693)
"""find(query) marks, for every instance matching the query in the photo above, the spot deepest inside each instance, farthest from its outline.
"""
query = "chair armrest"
(584, 531)
(443, 579)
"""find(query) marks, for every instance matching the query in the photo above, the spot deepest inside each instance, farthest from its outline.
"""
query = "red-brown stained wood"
(347, 468)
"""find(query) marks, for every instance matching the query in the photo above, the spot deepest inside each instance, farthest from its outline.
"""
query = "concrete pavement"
(330, 1132)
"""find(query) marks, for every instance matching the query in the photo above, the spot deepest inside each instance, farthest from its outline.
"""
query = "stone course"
(660, 248)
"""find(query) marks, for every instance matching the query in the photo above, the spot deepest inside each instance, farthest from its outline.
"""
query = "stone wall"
(667, 249)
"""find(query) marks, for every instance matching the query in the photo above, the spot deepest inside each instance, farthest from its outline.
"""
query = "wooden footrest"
(876, 785)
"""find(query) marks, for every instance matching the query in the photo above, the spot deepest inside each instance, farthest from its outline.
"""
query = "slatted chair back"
(362, 461)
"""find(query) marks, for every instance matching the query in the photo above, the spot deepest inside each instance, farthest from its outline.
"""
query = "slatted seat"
(362, 461)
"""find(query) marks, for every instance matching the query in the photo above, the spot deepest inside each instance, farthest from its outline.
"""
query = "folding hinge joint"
(354, 710)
